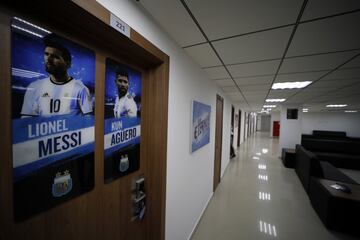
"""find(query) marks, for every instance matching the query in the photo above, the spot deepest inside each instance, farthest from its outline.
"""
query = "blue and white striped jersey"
(125, 107)
(46, 98)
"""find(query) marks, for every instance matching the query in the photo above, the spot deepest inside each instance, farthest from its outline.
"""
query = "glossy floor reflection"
(258, 198)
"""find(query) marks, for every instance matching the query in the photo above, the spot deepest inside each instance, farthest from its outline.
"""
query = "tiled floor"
(260, 199)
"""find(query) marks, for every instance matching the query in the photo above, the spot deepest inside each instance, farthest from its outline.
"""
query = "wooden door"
(239, 129)
(218, 140)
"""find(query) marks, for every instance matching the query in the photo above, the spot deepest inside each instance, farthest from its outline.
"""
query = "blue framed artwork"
(200, 127)
(53, 88)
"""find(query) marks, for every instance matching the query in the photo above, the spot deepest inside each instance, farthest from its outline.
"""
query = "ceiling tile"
(315, 63)
(173, 17)
(328, 35)
(254, 47)
(217, 73)
(318, 90)
(236, 98)
(230, 89)
(322, 8)
(334, 83)
(355, 63)
(224, 83)
(251, 69)
(231, 94)
(254, 80)
(351, 90)
(255, 88)
(255, 93)
(344, 74)
(203, 55)
(295, 77)
(229, 17)
(282, 93)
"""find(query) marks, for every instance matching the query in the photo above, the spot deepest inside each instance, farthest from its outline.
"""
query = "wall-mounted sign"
(200, 127)
(119, 25)
(122, 120)
(53, 83)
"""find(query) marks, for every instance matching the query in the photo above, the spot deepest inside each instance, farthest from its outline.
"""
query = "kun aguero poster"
(53, 84)
(122, 120)
(200, 130)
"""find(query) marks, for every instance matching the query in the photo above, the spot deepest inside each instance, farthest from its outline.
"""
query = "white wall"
(189, 176)
(290, 129)
(275, 116)
(339, 121)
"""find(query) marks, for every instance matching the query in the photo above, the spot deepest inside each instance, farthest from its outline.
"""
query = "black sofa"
(334, 147)
(308, 165)
(336, 211)
(318, 134)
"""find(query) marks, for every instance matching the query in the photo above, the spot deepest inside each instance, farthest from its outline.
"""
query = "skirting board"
(202, 213)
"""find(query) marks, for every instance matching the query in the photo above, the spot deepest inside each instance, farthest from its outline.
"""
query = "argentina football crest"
(62, 184)
(124, 163)
(53, 89)
(122, 120)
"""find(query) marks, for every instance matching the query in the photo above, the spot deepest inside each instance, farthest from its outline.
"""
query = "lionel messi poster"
(53, 84)
(122, 120)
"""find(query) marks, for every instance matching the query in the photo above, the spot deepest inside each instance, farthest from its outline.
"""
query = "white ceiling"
(246, 45)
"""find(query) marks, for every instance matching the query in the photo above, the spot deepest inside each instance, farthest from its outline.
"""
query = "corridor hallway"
(258, 198)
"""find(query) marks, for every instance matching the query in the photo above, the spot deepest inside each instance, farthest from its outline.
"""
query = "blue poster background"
(27, 67)
(200, 131)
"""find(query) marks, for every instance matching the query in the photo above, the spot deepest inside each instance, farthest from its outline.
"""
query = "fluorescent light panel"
(269, 106)
(290, 85)
(275, 100)
(351, 111)
(336, 105)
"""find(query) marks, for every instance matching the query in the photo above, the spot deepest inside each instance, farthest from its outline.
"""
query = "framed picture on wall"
(200, 125)
(292, 113)
(122, 125)
(53, 89)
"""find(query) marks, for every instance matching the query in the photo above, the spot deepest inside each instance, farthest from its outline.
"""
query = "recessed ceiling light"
(275, 100)
(351, 111)
(336, 105)
(290, 85)
(269, 106)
